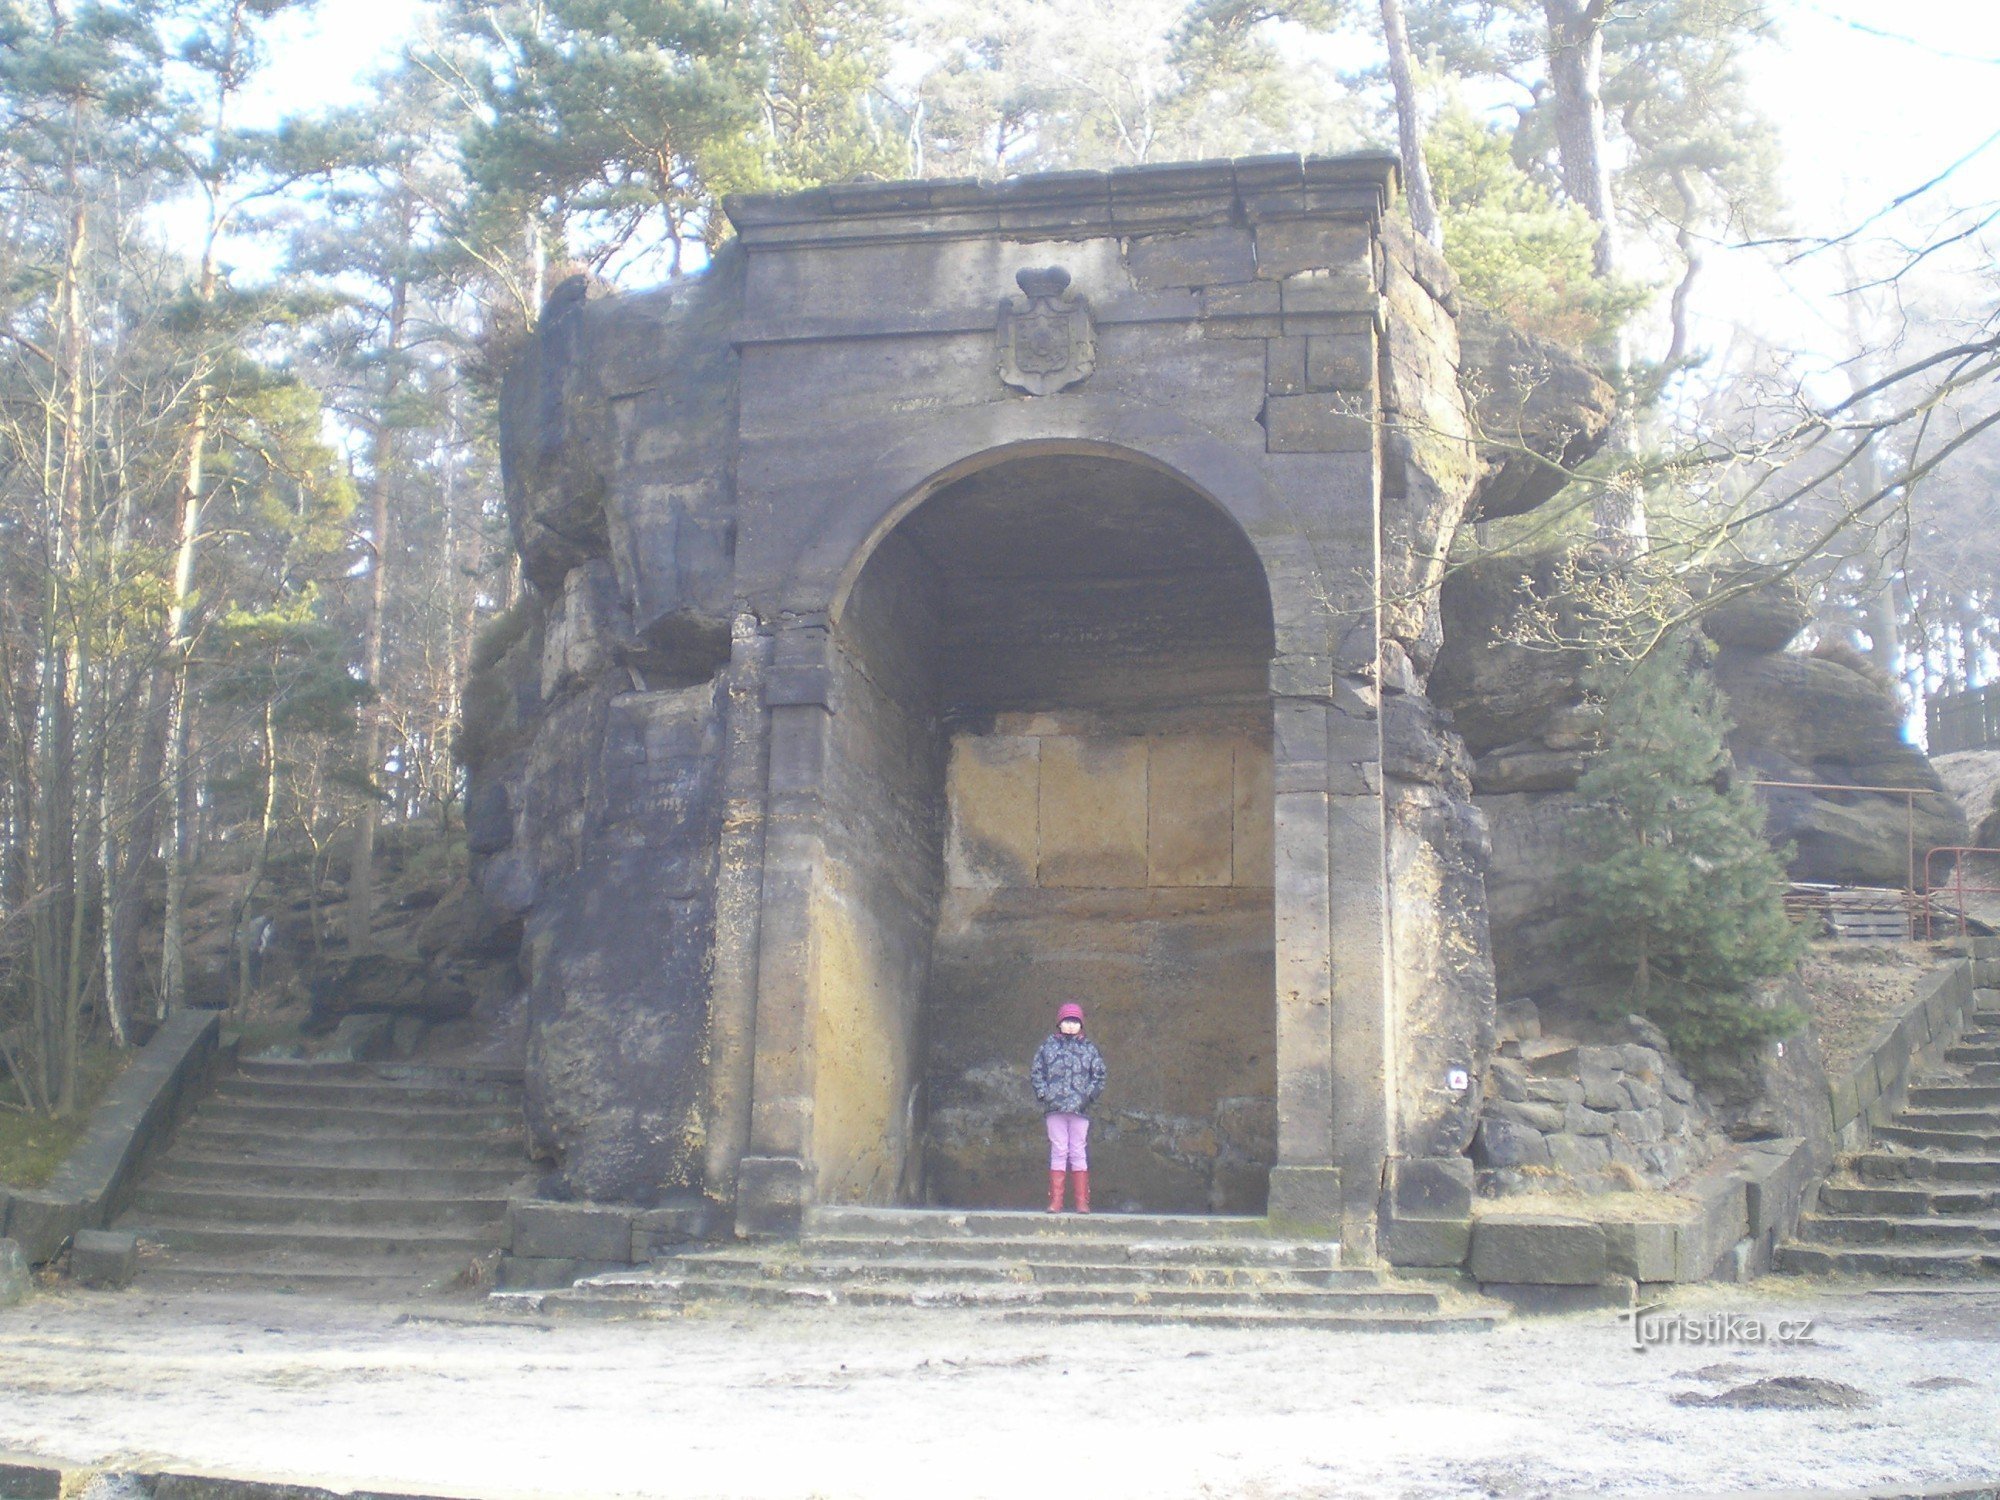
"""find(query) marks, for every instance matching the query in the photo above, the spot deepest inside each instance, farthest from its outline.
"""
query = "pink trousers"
(1066, 1133)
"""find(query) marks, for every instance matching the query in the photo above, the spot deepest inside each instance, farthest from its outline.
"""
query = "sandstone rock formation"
(595, 727)
(963, 594)
(1540, 411)
(871, 688)
(1973, 776)
(1799, 717)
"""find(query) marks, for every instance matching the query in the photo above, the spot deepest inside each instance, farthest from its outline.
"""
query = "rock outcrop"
(1540, 412)
(594, 722)
(1820, 718)
(1828, 719)
(900, 648)
(1596, 1117)
(1973, 776)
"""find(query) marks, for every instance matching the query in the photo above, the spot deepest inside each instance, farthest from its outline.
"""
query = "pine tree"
(1678, 883)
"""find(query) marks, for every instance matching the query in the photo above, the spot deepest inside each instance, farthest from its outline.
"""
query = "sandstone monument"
(962, 598)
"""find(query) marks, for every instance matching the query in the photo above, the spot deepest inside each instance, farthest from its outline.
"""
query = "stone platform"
(1179, 1268)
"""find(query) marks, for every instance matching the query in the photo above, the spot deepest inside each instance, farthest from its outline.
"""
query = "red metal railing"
(1958, 888)
(1909, 794)
(1915, 897)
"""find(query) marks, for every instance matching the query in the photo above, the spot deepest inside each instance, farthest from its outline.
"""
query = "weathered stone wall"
(619, 954)
(1596, 1117)
(880, 882)
(596, 735)
(1443, 974)
(1132, 873)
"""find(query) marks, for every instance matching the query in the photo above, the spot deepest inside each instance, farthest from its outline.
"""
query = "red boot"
(1056, 1175)
(1082, 1175)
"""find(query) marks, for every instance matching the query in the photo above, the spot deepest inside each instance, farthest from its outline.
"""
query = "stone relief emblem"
(1046, 340)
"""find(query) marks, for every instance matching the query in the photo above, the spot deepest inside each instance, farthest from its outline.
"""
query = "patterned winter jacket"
(1068, 1074)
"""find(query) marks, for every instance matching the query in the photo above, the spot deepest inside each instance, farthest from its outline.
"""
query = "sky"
(1872, 97)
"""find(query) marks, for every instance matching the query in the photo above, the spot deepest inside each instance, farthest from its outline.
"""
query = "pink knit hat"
(1071, 1011)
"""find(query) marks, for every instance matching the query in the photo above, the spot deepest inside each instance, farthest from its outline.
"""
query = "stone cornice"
(1071, 205)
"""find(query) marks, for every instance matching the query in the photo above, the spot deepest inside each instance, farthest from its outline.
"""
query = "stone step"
(1891, 1229)
(358, 1119)
(1309, 1254)
(1972, 1053)
(309, 1176)
(660, 1290)
(1835, 1260)
(1926, 1117)
(1963, 1142)
(1897, 1166)
(374, 1093)
(1983, 1072)
(160, 1197)
(264, 1148)
(387, 1242)
(305, 1070)
(1479, 1321)
(1041, 1272)
(365, 1180)
(1960, 1096)
(938, 1223)
(183, 1272)
(1847, 1198)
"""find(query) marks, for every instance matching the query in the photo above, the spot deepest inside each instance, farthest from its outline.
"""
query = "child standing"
(1068, 1074)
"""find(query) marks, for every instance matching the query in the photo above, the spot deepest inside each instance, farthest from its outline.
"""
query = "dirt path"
(950, 1404)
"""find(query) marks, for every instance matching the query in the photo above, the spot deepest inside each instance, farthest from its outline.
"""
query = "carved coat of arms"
(1046, 341)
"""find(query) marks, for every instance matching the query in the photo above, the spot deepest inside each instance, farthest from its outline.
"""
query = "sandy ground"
(1856, 987)
(797, 1404)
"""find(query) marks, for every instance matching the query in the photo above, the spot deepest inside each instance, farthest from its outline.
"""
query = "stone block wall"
(1593, 1117)
(878, 895)
(1043, 802)
(1132, 873)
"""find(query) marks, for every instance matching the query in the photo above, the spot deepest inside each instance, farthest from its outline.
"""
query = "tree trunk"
(1409, 124)
(180, 638)
(239, 936)
(64, 830)
(141, 838)
(1576, 76)
(361, 869)
(109, 894)
(1880, 615)
(174, 777)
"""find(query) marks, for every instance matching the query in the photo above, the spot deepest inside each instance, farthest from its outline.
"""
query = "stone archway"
(1054, 783)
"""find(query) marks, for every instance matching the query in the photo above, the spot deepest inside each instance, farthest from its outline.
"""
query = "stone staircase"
(360, 1179)
(1129, 1268)
(1924, 1199)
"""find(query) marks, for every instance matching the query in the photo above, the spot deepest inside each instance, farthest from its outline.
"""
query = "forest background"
(263, 262)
